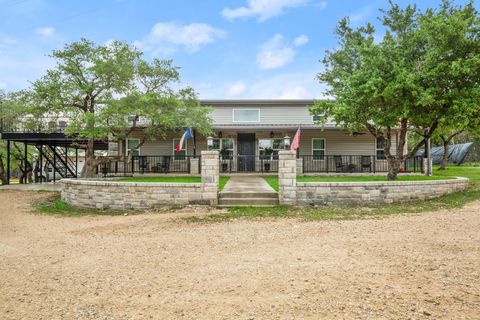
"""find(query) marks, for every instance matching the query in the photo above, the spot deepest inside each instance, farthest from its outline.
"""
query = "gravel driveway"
(149, 266)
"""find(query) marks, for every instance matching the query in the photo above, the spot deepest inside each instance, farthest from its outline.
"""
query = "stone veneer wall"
(111, 194)
(338, 193)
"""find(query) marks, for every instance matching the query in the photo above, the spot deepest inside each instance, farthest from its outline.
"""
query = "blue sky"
(226, 49)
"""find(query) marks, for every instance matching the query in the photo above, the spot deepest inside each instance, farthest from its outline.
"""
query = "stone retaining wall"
(339, 193)
(130, 195)
(111, 194)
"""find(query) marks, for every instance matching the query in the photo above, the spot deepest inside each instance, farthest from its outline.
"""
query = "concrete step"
(248, 195)
(247, 202)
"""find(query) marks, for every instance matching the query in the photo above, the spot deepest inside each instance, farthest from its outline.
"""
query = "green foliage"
(425, 70)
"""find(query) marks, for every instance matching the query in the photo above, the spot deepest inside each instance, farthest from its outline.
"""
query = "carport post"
(54, 163)
(40, 148)
(76, 162)
(8, 161)
(25, 159)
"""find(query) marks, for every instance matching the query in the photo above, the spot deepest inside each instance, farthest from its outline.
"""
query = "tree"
(99, 88)
(424, 70)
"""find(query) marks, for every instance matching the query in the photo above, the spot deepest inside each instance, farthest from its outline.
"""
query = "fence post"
(210, 176)
(194, 165)
(287, 177)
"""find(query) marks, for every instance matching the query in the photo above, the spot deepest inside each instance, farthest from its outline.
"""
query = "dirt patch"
(148, 266)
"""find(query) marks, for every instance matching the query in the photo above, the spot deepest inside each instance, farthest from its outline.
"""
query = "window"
(379, 150)
(183, 152)
(318, 149)
(316, 117)
(132, 144)
(246, 115)
(268, 148)
(225, 146)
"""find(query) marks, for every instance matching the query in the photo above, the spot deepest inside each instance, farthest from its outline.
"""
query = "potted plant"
(268, 155)
(225, 154)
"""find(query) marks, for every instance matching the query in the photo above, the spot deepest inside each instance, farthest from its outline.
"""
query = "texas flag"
(296, 140)
(187, 135)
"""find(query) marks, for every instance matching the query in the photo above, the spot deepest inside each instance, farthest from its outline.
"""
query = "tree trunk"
(3, 176)
(393, 168)
(444, 163)
(90, 168)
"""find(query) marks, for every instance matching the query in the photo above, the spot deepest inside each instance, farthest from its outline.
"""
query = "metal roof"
(258, 102)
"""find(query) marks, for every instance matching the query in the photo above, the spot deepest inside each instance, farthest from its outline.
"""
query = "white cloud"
(277, 52)
(236, 89)
(300, 40)
(45, 31)
(263, 9)
(297, 92)
(167, 37)
(321, 5)
(361, 15)
(297, 85)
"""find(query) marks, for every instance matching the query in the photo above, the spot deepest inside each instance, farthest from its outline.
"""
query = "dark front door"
(246, 151)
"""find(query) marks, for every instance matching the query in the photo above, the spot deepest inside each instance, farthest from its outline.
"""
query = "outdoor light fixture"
(220, 134)
(286, 142)
(209, 142)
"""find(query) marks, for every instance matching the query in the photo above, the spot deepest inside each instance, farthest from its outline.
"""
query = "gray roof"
(259, 102)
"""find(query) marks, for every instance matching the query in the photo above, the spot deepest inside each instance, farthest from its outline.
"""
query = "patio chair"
(340, 166)
(164, 165)
(143, 164)
(367, 163)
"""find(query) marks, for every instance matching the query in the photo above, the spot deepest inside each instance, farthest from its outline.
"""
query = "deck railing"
(149, 164)
(353, 164)
(248, 163)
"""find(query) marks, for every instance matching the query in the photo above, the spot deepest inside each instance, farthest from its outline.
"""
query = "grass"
(272, 181)
(473, 173)
(171, 179)
(369, 178)
(55, 206)
(451, 201)
(223, 181)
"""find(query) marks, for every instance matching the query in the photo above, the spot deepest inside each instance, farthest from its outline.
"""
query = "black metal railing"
(149, 164)
(248, 163)
(354, 164)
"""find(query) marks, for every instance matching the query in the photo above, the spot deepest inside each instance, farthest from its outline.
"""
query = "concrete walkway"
(247, 184)
(247, 191)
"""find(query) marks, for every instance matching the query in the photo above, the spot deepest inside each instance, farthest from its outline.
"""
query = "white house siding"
(337, 142)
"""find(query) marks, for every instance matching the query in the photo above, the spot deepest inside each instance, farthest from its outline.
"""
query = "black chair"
(367, 163)
(143, 164)
(340, 166)
(164, 166)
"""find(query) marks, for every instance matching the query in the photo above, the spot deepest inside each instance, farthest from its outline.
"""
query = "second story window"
(246, 115)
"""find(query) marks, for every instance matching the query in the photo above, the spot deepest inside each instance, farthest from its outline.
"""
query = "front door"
(246, 152)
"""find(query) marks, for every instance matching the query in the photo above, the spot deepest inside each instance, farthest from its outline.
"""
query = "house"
(249, 134)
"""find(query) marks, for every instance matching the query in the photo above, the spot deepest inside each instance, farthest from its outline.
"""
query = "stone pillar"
(194, 162)
(300, 166)
(210, 176)
(287, 177)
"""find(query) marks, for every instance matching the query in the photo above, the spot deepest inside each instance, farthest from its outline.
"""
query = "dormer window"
(246, 115)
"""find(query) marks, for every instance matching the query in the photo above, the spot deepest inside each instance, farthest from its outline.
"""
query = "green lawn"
(223, 181)
(272, 181)
(173, 179)
(473, 173)
(368, 178)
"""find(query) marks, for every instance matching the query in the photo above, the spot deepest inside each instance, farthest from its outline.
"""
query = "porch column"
(210, 176)
(287, 177)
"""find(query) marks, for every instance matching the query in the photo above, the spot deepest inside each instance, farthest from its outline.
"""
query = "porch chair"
(367, 163)
(340, 166)
(164, 165)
